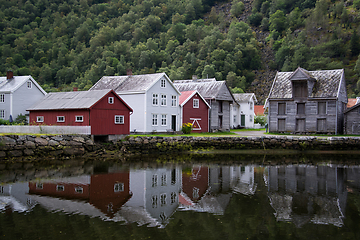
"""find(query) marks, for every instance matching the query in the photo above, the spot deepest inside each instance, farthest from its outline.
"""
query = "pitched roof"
(208, 88)
(72, 100)
(15, 82)
(187, 95)
(351, 102)
(129, 83)
(244, 97)
(326, 83)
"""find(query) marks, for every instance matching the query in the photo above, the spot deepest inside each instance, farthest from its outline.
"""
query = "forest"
(73, 43)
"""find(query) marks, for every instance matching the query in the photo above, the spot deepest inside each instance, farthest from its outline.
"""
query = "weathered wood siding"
(215, 114)
(311, 116)
(352, 121)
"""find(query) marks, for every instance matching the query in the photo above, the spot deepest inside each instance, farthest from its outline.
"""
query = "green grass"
(247, 129)
(217, 134)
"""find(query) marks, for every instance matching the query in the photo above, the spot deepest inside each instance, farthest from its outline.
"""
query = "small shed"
(352, 120)
(103, 110)
(195, 110)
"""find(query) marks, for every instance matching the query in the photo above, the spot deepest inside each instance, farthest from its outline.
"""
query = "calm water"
(219, 197)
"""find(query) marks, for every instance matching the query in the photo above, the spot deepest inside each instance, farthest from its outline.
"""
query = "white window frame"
(79, 189)
(119, 119)
(60, 188)
(2, 113)
(163, 199)
(39, 118)
(173, 198)
(58, 118)
(196, 103)
(154, 180)
(154, 120)
(154, 201)
(163, 119)
(163, 99)
(39, 186)
(79, 118)
(162, 83)
(29, 84)
(119, 187)
(163, 179)
(111, 100)
(2, 98)
(173, 100)
(155, 99)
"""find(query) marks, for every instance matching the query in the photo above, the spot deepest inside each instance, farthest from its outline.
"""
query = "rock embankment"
(14, 146)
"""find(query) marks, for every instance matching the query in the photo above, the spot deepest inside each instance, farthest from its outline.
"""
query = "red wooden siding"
(195, 182)
(190, 113)
(50, 117)
(50, 189)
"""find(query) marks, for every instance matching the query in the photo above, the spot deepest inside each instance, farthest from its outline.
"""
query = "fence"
(86, 130)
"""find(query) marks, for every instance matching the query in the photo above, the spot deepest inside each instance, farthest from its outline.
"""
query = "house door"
(242, 123)
(220, 121)
(173, 122)
(300, 125)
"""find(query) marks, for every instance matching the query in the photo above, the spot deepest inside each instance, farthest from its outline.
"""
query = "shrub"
(187, 128)
(260, 119)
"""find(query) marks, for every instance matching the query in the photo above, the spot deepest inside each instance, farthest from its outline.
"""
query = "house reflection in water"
(303, 194)
(106, 192)
(14, 198)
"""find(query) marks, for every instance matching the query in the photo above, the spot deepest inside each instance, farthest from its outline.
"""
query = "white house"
(18, 93)
(243, 111)
(153, 98)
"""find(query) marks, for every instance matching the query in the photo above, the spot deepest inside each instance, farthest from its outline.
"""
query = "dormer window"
(300, 89)
(111, 100)
(162, 84)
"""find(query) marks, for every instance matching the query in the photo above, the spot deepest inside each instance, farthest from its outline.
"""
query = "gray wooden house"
(218, 96)
(307, 101)
(352, 119)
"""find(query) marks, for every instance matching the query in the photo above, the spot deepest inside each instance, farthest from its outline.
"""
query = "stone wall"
(59, 146)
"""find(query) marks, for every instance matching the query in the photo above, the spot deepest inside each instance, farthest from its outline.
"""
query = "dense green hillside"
(73, 43)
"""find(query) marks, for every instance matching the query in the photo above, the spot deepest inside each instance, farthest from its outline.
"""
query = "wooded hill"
(73, 43)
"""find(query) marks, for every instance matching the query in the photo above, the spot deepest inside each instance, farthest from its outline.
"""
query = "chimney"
(194, 78)
(9, 75)
(129, 72)
(75, 89)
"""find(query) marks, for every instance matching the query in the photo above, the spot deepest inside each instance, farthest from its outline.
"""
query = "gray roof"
(130, 83)
(69, 100)
(326, 83)
(14, 83)
(208, 88)
(244, 97)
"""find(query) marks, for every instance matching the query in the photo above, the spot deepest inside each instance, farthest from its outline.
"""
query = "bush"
(260, 119)
(21, 120)
(187, 128)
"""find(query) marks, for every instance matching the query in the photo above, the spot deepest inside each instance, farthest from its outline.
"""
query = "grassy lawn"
(247, 129)
(217, 134)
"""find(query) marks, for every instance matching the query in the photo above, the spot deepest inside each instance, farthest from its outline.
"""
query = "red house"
(103, 110)
(194, 109)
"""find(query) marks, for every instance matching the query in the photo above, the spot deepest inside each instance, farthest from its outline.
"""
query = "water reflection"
(299, 194)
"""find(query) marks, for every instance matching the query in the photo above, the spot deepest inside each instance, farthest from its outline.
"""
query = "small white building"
(242, 111)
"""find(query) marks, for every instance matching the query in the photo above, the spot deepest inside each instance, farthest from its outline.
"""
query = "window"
(60, 118)
(173, 198)
(154, 180)
(154, 120)
(2, 114)
(79, 189)
(321, 107)
(163, 100)
(300, 107)
(196, 103)
(251, 118)
(155, 99)
(234, 118)
(281, 108)
(173, 176)
(321, 125)
(300, 89)
(29, 85)
(39, 118)
(60, 188)
(173, 101)
(300, 125)
(39, 186)
(154, 201)
(119, 119)
(111, 100)
(2, 97)
(118, 187)
(163, 199)
(162, 83)
(281, 125)
(196, 193)
(163, 179)
(220, 106)
(79, 118)
(163, 120)
(251, 105)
